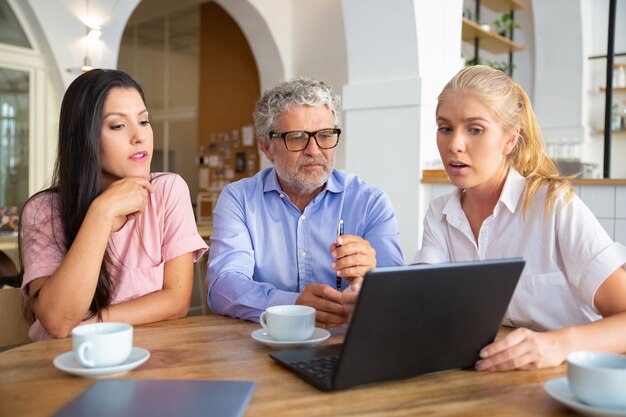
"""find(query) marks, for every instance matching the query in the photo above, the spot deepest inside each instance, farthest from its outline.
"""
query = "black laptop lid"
(419, 319)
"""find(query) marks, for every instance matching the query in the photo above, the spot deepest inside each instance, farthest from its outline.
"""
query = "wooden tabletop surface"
(220, 348)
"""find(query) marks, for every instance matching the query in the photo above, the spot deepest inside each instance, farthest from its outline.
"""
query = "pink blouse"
(165, 230)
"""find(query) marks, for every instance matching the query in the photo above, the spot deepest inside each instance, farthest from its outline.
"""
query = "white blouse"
(568, 254)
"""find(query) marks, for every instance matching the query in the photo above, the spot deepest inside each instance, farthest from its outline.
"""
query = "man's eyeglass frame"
(273, 134)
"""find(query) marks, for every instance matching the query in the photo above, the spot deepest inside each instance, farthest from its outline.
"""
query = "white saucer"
(67, 362)
(558, 389)
(318, 336)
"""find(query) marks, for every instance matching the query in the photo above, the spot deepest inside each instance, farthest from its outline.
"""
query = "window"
(11, 32)
(14, 155)
(27, 138)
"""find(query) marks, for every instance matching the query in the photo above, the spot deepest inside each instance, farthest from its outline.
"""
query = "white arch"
(269, 61)
(59, 31)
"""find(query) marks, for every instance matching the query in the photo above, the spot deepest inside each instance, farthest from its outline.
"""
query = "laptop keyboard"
(319, 368)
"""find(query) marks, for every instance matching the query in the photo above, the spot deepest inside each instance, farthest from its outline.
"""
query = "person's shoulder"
(354, 183)
(249, 184)
(438, 203)
(559, 190)
(168, 187)
(41, 206)
(167, 182)
(161, 179)
(45, 198)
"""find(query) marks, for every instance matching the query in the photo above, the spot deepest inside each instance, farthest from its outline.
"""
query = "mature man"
(274, 234)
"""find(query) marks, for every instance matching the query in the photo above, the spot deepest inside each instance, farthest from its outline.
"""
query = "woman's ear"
(511, 141)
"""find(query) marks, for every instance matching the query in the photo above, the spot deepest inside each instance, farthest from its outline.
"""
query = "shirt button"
(303, 253)
(281, 195)
(302, 217)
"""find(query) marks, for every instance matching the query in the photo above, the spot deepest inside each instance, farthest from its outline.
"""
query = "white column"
(400, 54)
(560, 62)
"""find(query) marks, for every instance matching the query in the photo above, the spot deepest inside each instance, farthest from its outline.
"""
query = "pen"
(339, 233)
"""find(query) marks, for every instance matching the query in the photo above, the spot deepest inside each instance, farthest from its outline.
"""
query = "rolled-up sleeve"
(589, 254)
(232, 290)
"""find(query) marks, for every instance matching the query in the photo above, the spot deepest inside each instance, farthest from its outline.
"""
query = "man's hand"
(328, 303)
(354, 257)
(350, 294)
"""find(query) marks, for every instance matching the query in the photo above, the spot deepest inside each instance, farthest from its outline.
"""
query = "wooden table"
(216, 347)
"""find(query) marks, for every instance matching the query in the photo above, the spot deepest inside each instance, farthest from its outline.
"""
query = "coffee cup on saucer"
(289, 322)
(98, 345)
(598, 378)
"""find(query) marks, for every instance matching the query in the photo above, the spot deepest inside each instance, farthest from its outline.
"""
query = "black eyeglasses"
(298, 140)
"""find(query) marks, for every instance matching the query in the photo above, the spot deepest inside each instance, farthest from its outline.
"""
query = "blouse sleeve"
(43, 243)
(180, 233)
(589, 254)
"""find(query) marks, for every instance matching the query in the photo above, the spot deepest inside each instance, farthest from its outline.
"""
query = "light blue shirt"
(264, 250)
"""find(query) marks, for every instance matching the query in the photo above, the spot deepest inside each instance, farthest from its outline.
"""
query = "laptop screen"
(419, 319)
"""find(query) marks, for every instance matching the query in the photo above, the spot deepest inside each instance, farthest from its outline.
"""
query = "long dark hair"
(78, 171)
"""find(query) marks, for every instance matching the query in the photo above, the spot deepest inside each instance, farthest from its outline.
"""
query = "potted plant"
(502, 66)
(505, 25)
(467, 13)
(473, 61)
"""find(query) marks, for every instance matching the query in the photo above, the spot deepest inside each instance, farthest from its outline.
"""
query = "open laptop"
(413, 320)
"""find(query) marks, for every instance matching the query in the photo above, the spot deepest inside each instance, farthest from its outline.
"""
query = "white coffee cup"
(289, 322)
(598, 378)
(98, 345)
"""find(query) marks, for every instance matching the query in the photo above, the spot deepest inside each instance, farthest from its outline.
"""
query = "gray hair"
(287, 95)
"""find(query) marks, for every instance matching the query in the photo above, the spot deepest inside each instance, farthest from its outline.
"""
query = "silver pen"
(339, 233)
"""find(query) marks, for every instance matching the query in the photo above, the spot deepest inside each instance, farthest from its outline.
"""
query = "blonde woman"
(511, 201)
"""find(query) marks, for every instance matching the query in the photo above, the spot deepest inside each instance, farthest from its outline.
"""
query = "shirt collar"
(271, 182)
(510, 196)
(512, 190)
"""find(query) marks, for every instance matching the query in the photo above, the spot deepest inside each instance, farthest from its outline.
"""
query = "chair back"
(13, 325)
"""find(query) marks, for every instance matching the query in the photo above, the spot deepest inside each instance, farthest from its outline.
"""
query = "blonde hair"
(511, 106)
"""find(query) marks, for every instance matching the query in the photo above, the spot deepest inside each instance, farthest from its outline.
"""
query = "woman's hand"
(524, 349)
(124, 198)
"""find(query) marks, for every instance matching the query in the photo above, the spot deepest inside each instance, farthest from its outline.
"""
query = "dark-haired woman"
(108, 241)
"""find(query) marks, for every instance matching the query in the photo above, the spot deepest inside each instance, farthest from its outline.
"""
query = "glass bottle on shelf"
(616, 118)
(619, 75)
(203, 159)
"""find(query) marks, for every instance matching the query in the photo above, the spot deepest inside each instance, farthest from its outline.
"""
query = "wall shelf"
(615, 89)
(489, 40)
(503, 6)
(486, 38)
(621, 133)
